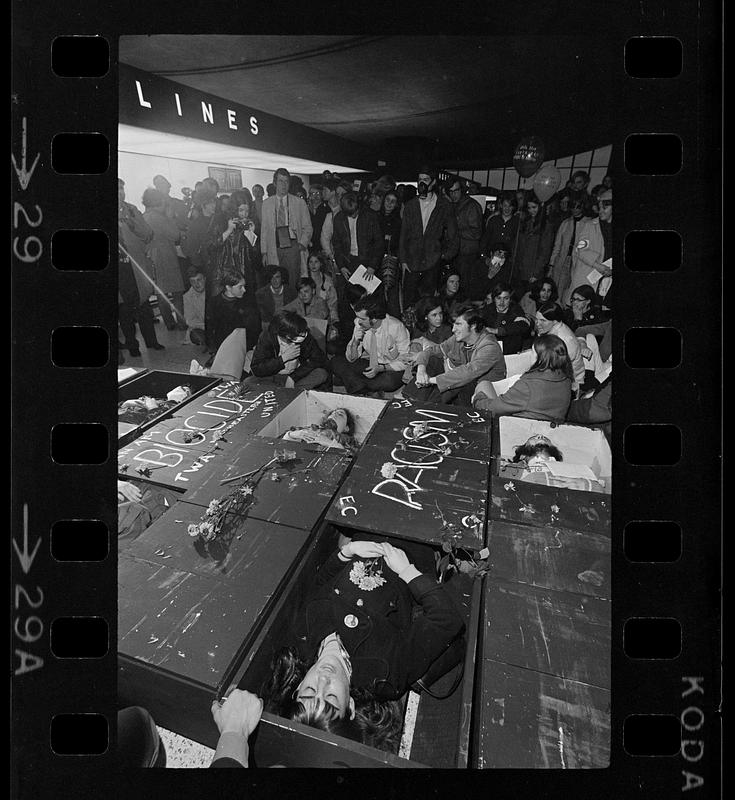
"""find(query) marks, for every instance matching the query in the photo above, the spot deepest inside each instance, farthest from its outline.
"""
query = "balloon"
(528, 156)
(546, 182)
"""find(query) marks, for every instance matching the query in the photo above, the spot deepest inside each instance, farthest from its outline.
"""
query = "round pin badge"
(350, 621)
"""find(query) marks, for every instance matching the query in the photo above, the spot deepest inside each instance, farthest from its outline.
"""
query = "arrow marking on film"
(24, 176)
(25, 559)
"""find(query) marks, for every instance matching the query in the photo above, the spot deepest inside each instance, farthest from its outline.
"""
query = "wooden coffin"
(442, 731)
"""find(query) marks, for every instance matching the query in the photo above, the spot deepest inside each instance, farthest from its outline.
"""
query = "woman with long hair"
(235, 246)
(535, 242)
(543, 291)
(544, 392)
(358, 644)
(451, 295)
(318, 265)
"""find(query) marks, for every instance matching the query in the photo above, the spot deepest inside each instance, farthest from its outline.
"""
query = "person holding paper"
(592, 259)
(544, 392)
(373, 359)
(357, 240)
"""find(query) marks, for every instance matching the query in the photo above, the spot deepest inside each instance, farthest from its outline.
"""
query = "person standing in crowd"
(505, 318)
(285, 229)
(211, 184)
(235, 247)
(357, 239)
(162, 250)
(579, 186)
(195, 312)
(469, 229)
(390, 274)
(373, 358)
(470, 354)
(566, 239)
(332, 194)
(258, 194)
(134, 285)
(199, 234)
(177, 211)
(270, 189)
(502, 227)
(535, 241)
(428, 238)
(318, 211)
(593, 247)
(275, 295)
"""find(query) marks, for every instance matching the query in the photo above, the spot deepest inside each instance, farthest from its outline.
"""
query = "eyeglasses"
(578, 299)
(605, 203)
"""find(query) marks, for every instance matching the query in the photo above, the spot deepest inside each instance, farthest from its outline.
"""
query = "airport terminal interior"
(364, 402)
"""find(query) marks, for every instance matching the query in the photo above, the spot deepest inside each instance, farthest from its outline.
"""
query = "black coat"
(388, 650)
(513, 326)
(224, 314)
(424, 249)
(369, 240)
(267, 362)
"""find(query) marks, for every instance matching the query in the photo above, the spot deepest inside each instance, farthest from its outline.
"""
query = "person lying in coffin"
(358, 645)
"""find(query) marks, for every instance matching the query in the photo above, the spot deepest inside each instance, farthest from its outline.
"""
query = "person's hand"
(604, 270)
(128, 491)
(483, 387)
(422, 379)
(586, 352)
(359, 333)
(395, 558)
(289, 384)
(290, 351)
(345, 273)
(363, 550)
(369, 273)
(371, 372)
(239, 713)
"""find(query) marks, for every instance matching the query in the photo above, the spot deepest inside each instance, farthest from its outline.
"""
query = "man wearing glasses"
(469, 225)
(592, 259)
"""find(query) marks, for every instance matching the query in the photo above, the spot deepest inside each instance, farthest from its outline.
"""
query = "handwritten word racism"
(423, 446)
(204, 109)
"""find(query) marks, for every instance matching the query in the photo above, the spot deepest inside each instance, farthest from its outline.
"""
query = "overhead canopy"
(460, 101)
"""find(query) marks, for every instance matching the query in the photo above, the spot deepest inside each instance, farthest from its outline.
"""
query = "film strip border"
(665, 733)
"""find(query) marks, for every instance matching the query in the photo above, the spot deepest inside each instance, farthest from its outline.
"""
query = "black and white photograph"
(372, 508)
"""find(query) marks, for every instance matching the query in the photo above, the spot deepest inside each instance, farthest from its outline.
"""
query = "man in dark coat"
(428, 237)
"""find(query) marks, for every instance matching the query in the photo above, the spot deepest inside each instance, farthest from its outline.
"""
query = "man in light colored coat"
(290, 214)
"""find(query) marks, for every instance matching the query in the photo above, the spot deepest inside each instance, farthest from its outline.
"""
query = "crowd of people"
(389, 290)
(392, 288)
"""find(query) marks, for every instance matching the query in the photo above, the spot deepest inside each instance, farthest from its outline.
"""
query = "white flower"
(388, 470)
(555, 509)
(509, 487)
(193, 530)
(246, 490)
(213, 507)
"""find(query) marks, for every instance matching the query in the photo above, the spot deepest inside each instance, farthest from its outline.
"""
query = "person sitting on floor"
(358, 645)
(373, 359)
(470, 354)
(550, 319)
(309, 304)
(544, 392)
(506, 319)
(275, 295)
(234, 308)
(288, 355)
(194, 308)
